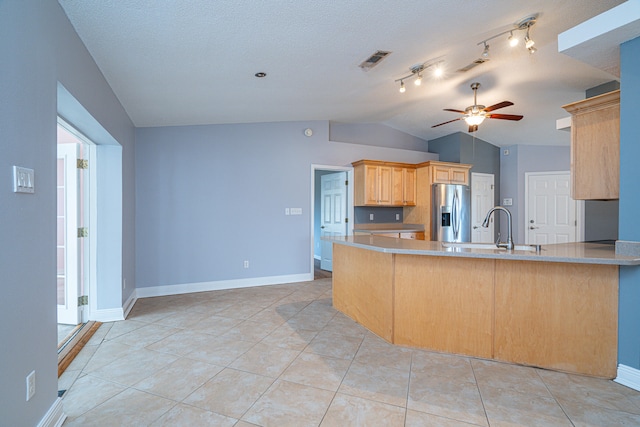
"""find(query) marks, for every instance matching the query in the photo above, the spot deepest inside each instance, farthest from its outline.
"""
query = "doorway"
(72, 219)
(482, 200)
(552, 216)
(330, 210)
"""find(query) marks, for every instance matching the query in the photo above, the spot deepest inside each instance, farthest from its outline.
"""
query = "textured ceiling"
(186, 62)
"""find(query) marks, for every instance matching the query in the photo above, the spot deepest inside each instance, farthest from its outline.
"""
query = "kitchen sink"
(491, 246)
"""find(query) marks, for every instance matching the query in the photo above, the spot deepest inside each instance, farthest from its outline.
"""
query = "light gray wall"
(523, 159)
(39, 47)
(210, 197)
(375, 134)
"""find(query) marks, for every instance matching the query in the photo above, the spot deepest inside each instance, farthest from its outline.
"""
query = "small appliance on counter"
(451, 213)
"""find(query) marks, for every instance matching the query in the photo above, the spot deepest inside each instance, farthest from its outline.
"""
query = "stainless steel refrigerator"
(451, 213)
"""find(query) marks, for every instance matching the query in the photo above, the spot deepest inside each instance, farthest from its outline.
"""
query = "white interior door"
(333, 213)
(482, 196)
(67, 234)
(551, 212)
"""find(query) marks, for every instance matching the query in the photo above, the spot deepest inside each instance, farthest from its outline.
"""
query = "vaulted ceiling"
(188, 62)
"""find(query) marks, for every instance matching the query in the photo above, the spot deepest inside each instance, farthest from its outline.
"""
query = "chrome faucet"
(509, 243)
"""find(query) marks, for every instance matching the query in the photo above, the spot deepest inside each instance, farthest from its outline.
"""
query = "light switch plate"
(23, 180)
(507, 201)
(296, 211)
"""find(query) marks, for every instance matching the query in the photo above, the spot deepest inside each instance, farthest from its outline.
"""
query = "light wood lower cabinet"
(414, 235)
(550, 315)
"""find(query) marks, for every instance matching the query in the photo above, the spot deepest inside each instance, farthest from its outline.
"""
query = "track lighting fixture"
(485, 53)
(522, 25)
(418, 70)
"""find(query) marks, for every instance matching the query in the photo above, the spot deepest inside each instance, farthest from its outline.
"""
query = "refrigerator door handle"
(455, 214)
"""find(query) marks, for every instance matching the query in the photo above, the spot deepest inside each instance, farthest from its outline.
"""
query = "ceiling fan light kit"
(475, 114)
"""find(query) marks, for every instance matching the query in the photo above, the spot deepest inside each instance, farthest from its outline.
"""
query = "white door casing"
(551, 213)
(67, 245)
(482, 200)
(333, 213)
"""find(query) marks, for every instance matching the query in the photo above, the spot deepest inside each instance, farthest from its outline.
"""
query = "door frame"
(493, 201)
(579, 205)
(91, 221)
(350, 209)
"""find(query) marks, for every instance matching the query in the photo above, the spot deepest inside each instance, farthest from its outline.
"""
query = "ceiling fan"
(475, 114)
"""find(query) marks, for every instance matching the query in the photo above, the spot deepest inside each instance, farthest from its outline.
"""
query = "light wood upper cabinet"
(448, 174)
(383, 183)
(595, 147)
(404, 186)
(427, 174)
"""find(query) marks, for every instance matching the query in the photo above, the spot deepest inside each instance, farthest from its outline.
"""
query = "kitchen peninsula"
(556, 309)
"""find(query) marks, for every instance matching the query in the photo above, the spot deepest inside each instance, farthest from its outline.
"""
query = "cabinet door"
(409, 187)
(595, 154)
(384, 185)
(371, 185)
(412, 235)
(397, 182)
(440, 175)
(459, 176)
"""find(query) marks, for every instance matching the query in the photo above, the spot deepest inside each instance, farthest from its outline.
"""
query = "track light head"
(513, 41)
(485, 52)
(402, 88)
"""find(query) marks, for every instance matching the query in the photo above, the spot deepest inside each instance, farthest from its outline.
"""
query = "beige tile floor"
(282, 356)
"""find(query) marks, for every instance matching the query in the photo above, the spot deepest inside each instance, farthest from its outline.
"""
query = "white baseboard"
(628, 376)
(186, 288)
(129, 303)
(55, 416)
(107, 315)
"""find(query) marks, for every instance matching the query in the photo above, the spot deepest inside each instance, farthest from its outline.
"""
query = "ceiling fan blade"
(505, 116)
(444, 123)
(473, 128)
(455, 111)
(498, 105)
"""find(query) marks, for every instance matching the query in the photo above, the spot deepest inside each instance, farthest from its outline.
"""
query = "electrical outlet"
(246, 264)
(397, 217)
(124, 283)
(370, 217)
(31, 385)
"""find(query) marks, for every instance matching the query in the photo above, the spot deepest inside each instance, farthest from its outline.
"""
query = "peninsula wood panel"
(557, 316)
(444, 304)
(363, 287)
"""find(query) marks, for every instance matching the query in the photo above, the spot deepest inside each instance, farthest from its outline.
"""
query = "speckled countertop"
(580, 253)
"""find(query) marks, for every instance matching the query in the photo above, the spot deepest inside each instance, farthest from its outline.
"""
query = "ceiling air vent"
(374, 59)
(472, 65)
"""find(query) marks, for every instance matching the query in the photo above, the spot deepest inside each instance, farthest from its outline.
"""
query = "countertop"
(580, 253)
(388, 228)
